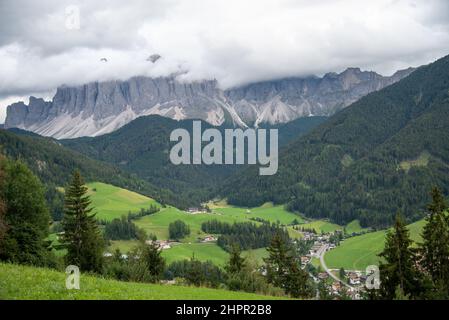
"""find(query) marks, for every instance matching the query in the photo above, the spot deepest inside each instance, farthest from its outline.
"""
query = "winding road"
(321, 251)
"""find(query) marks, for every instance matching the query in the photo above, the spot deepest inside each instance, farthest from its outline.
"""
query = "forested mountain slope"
(143, 146)
(380, 155)
(54, 164)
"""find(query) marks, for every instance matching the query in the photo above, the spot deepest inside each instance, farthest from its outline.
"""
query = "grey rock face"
(101, 107)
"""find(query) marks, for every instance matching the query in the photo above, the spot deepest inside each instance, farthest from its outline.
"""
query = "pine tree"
(399, 271)
(297, 281)
(278, 261)
(3, 226)
(435, 246)
(236, 261)
(26, 215)
(283, 268)
(194, 275)
(155, 263)
(82, 237)
(342, 274)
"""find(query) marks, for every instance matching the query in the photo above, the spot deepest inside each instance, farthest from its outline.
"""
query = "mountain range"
(380, 155)
(101, 107)
(134, 157)
(377, 157)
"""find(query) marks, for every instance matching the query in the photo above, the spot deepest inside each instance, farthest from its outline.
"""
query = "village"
(339, 282)
(353, 283)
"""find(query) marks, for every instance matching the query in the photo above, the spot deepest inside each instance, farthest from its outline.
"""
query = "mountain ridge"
(380, 155)
(101, 107)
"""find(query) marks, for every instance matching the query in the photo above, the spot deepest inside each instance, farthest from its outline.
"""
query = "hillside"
(112, 202)
(365, 162)
(54, 164)
(142, 147)
(358, 252)
(24, 283)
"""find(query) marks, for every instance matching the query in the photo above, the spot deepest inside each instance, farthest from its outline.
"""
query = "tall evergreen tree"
(155, 263)
(236, 262)
(82, 237)
(297, 281)
(277, 263)
(399, 269)
(26, 215)
(435, 246)
(194, 275)
(283, 268)
(3, 226)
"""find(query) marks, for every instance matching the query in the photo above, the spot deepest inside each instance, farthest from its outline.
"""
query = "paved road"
(320, 253)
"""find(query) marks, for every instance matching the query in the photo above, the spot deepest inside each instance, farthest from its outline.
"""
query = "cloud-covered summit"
(233, 41)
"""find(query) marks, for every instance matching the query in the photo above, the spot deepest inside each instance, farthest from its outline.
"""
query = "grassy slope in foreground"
(22, 282)
(113, 202)
(358, 252)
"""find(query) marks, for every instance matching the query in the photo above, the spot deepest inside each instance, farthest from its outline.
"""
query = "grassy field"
(112, 202)
(267, 212)
(421, 161)
(256, 255)
(20, 282)
(354, 227)
(202, 251)
(358, 252)
(321, 226)
(158, 223)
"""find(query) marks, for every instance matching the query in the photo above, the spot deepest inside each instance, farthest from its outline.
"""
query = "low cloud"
(235, 42)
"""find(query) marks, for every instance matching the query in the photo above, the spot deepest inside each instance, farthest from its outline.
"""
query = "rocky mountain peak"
(100, 107)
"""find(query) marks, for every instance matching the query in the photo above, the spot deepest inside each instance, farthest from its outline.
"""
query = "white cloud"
(233, 41)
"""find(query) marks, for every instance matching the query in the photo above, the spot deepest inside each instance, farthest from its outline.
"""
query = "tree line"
(422, 271)
(246, 234)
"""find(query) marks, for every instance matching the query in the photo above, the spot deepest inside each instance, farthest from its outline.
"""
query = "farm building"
(209, 239)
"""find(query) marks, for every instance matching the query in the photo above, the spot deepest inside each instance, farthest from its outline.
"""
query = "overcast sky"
(43, 44)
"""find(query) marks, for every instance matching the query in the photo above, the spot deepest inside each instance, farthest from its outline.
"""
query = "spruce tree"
(26, 215)
(435, 246)
(155, 263)
(398, 273)
(81, 237)
(297, 281)
(283, 268)
(194, 274)
(236, 261)
(277, 263)
(3, 226)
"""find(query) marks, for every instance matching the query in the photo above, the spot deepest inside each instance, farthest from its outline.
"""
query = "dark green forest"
(54, 164)
(246, 235)
(380, 155)
(142, 148)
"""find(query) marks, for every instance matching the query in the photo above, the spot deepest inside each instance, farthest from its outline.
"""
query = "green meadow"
(201, 251)
(31, 283)
(358, 252)
(321, 226)
(267, 212)
(354, 227)
(112, 202)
